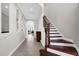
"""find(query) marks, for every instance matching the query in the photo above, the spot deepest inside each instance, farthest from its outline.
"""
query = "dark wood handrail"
(46, 27)
(46, 19)
(48, 34)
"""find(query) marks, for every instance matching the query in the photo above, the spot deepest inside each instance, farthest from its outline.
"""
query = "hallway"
(29, 47)
(55, 26)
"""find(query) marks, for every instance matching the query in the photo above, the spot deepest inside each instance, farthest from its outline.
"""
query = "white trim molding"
(61, 44)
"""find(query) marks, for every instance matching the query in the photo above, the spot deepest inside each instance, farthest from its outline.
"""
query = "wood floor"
(57, 47)
(30, 47)
(61, 41)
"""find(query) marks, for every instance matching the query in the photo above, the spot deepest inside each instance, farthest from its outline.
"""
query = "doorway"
(29, 29)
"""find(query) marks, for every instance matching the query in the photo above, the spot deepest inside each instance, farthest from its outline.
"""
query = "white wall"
(77, 25)
(62, 15)
(9, 41)
(40, 26)
(66, 17)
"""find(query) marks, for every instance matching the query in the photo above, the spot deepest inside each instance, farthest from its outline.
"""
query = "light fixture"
(31, 9)
(6, 7)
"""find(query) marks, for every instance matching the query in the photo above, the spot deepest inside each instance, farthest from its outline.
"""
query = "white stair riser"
(52, 27)
(55, 35)
(61, 44)
(56, 38)
(54, 32)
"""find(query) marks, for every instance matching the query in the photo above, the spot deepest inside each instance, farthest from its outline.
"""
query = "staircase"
(55, 43)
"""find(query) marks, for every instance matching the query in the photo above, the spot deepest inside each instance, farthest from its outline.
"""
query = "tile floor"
(30, 47)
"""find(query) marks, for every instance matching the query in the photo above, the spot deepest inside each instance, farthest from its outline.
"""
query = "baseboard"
(10, 54)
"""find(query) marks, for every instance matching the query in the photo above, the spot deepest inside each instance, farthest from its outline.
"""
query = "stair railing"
(48, 34)
(46, 24)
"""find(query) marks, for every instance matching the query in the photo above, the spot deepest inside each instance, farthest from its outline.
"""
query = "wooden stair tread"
(43, 52)
(65, 49)
(61, 41)
(55, 36)
(51, 54)
(52, 28)
(54, 33)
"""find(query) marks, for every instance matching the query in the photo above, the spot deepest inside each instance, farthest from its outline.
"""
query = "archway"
(30, 29)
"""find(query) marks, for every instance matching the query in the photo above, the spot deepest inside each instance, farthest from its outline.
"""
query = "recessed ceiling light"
(31, 9)
(6, 7)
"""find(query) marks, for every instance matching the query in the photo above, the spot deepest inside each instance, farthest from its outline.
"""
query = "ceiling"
(31, 11)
